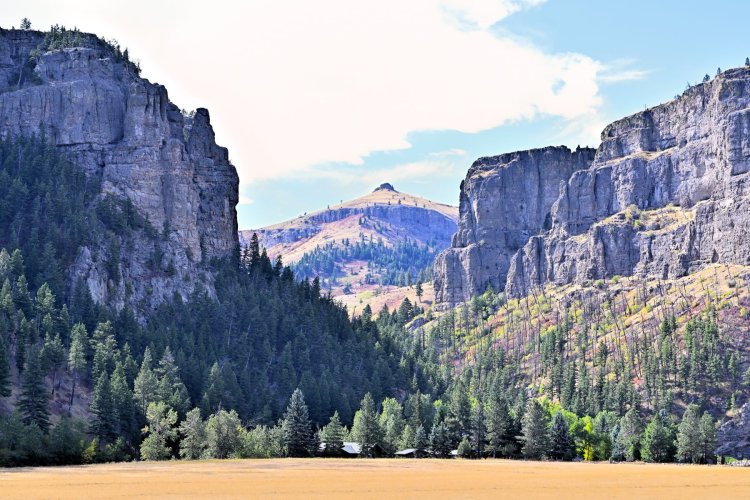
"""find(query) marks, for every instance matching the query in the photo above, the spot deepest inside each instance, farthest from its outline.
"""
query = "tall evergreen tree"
(629, 435)
(498, 424)
(34, 400)
(658, 439)
(366, 429)
(689, 436)
(333, 436)
(534, 431)
(561, 443)
(5, 382)
(707, 438)
(297, 428)
(146, 385)
(77, 356)
(103, 409)
(440, 440)
(193, 433)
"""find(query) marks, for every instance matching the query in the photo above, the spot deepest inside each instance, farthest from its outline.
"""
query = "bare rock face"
(505, 200)
(733, 437)
(124, 130)
(666, 193)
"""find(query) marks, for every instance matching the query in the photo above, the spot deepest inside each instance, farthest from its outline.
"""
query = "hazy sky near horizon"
(320, 101)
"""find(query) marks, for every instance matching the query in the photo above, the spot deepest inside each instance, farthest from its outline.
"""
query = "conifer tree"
(146, 385)
(707, 437)
(34, 400)
(421, 442)
(170, 388)
(192, 431)
(53, 356)
(689, 436)
(103, 409)
(5, 382)
(333, 435)
(629, 435)
(123, 402)
(561, 443)
(498, 423)
(297, 428)
(366, 429)
(391, 423)
(77, 356)
(214, 392)
(534, 431)
(440, 440)
(658, 439)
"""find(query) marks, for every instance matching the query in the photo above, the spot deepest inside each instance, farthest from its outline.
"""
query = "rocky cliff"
(665, 193)
(87, 99)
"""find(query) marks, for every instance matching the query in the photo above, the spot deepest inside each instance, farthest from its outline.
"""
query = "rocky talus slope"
(664, 194)
(91, 102)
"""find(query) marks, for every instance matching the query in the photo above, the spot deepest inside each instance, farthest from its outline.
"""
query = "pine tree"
(534, 431)
(658, 439)
(498, 424)
(192, 430)
(146, 385)
(123, 402)
(440, 440)
(629, 435)
(77, 356)
(161, 420)
(333, 435)
(707, 438)
(34, 400)
(170, 388)
(214, 392)
(561, 443)
(420, 291)
(297, 428)
(53, 356)
(103, 410)
(421, 442)
(391, 423)
(5, 382)
(366, 429)
(689, 436)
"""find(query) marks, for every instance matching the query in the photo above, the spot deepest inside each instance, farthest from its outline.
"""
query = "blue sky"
(322, 101)
(667, 43)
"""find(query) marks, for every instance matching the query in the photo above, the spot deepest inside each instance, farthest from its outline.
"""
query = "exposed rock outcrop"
(617, 215)
(733, 437)
(504, 201)
(91, 102)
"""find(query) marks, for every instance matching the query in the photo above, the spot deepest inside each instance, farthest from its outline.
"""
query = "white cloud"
(292, 83)
(419, 170)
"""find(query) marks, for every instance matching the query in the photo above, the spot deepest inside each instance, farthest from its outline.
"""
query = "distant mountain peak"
(386, 186)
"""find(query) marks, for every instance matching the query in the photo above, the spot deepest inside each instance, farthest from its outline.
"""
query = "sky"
(321, 101)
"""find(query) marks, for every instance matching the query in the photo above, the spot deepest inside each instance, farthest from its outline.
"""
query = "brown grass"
(356, 478)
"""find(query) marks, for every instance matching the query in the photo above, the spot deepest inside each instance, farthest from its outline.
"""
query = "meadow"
(360, 478)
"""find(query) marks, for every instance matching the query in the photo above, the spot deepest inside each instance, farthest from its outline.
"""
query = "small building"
(351, 449)
(407, 453)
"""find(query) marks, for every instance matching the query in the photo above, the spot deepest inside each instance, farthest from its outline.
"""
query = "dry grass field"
(317, 478)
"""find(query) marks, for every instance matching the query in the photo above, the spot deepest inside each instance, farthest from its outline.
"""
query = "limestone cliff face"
(123, 129)
(666, 193)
